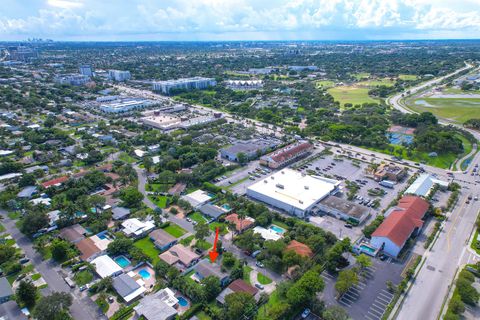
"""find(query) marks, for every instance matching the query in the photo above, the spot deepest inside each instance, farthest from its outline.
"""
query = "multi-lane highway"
(431, 287)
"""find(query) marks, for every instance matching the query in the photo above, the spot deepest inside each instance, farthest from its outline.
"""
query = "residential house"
(127, 287)
(73, 233)
(197, 198)
(106, 267)
(238, 286)
(88, 249)
(162, 239)
(180, 256)
(205, 268)
(120, 213)
(299, 248)
(158, 306)
(27, 192)
(240, 225)
(212, 211)
(54, 182)
(135, 228)
(6, 291)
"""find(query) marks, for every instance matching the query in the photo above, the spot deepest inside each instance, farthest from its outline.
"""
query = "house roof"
(403, 220)
(179, 253)
(5, 288)
(105, 266)
(54, 182)
(288, 152)
(73, 233)
(88, 248)
(206, 268)
(299, 248)
(157, 306)
(27, 192)
(241, 286)
(240, 224)
(212, 210)
(161, 237)
(120, 213)
(127, 287)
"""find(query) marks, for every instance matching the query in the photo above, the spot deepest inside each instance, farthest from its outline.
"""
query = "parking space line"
(355, 291)
(348, 299)
(375, 315)
(387, 301)
(361, 285)
(368, 317)
(377, 308)
(387, 292)
(380, 304)
(345, 304)
(351, 297)
(385, 295)
(376, 311)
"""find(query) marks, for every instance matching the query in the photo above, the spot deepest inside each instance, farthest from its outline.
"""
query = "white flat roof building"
(424, 184)
(106, 267)
(126, 104)
(134, 227)
(292, 191)
(197, 198)
(267, 234)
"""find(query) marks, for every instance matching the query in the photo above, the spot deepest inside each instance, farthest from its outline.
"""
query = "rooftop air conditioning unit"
(300, 201)
(280, 186)
(307, 187)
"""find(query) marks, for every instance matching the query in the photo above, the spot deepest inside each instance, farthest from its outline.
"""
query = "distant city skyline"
(149, 20)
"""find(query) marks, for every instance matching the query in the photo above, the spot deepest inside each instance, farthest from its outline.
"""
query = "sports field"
(351, 94)
(407, 77)
(325, 83)
(377, 82)
(455, 109)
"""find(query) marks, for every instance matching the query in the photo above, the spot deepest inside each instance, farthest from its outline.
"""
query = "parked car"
(305, 313)
(24, 260)
(83, 288)
(348, 225)
(259, 286)
(259, 264)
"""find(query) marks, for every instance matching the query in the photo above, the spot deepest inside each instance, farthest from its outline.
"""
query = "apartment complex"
(183, 84)
(86, 70)
(72, 79)
(119, 75)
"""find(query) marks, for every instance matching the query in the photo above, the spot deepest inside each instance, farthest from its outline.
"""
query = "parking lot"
(370, 297)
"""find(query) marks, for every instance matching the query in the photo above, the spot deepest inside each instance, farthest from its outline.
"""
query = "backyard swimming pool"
(122, 261)
(144, 274)
(182, 301)
(277, 229)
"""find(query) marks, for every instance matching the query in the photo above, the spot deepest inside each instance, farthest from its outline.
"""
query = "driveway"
(82, 307)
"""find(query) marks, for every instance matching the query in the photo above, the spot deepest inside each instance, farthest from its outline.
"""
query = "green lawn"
(83, 277)
(160, 201)
(14, 215)
(443, 161)
(325, 83)
(246, 274)
(126, 158)
(186, 241)
(2, 228)
(36, 276)
(454, 109)
(103, 304)
(407, 77)
(473, 245)
(222, 226)
(197, 216)
(377, 82)
(203, 245)
(351, 94)
(263, 279)
(157, 187)
(147, 246)
(203, 316)
(175, 230)
(273, 301)
(361, 75)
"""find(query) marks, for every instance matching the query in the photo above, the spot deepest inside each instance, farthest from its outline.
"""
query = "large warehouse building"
(292, 191)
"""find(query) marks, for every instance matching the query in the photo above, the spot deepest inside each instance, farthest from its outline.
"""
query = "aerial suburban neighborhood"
(218, 180)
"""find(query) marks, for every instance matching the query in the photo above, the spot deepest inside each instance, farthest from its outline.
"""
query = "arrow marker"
(213, 253)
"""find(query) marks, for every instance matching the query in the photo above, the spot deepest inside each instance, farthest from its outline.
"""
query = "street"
(82, 307)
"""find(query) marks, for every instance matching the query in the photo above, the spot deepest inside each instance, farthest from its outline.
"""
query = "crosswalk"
(378, 307)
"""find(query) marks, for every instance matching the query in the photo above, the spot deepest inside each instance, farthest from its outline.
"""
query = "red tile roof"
(403, 220)
(241, 286)
(53, 182)
(88, 248)
(289, 152)
(240, 224)
(299, 248)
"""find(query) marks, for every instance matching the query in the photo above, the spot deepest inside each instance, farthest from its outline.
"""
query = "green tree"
(304, 290)
(346, 279)
(59, 249)
(238, 305)
(242, 158)
(53, 307)
(201, 230)
(335, 313)
(363, 261)
(456, 304)
(211, 286)
(33, 221)
(26, 293)
(131, 197)
(6, 253)
(119, 246)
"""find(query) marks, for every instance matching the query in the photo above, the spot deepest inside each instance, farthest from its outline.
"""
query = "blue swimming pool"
(122, 261)
(144, 274)
(366, 248)
(277, 229)
(102, 235)
(182, 301)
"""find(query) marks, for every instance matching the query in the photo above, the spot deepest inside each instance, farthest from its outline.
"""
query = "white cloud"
(65, 18)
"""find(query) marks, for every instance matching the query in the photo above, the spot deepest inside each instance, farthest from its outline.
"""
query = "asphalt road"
(427, 295)
(83, 308)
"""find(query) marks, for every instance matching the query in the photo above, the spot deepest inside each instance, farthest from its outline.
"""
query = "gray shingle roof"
(5, 288)
(125, 285)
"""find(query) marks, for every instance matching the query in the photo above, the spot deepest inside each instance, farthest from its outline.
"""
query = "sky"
(203, 20)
